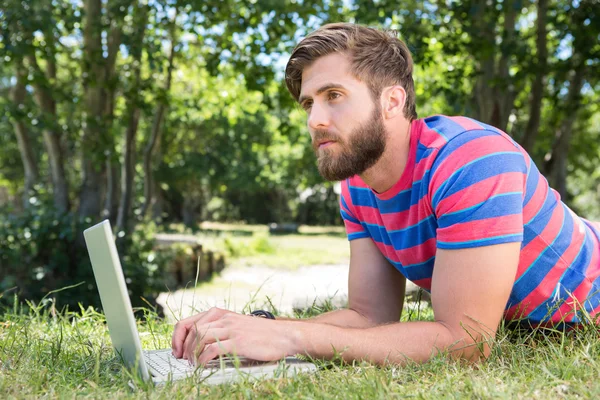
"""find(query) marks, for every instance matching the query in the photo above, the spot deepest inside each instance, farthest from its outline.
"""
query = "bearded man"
(450, 203)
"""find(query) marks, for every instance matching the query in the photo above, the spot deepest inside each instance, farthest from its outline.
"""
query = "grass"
(45, 353)
(247, 245)
(292, 251)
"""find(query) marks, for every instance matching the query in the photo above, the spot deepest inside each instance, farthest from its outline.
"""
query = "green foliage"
(259, 244)
(42, 251)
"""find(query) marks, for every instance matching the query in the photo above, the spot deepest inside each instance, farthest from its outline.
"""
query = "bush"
(259, 244)
(43, 251)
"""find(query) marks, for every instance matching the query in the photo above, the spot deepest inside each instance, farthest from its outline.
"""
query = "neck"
(389, 168)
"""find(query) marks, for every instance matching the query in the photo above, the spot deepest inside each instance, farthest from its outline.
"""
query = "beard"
(364, 147)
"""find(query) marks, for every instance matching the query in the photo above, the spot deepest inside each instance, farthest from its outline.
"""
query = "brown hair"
(377, 58)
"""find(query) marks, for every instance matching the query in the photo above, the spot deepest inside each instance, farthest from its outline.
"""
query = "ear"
(393, 98)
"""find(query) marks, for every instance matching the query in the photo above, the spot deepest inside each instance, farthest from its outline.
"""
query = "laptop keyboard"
(164, 362)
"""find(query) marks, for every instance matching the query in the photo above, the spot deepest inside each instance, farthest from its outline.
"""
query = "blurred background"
(171, 119)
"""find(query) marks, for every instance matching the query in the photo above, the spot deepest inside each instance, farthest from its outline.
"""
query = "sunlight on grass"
(247, 245)
(44, 352)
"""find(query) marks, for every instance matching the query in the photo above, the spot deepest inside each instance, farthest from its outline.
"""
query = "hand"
(183, 327)
(256, 338)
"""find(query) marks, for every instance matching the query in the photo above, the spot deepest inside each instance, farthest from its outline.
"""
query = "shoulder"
(460, 140)
(438, 131)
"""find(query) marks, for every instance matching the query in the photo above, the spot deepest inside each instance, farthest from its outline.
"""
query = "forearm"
(346, 318)
(395, 343)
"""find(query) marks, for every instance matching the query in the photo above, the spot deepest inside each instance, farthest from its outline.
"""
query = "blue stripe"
(486, 126)
(539, 221)
(515, 237)
(426, 263)
(593, 299)
(358, 235)
(398, 203)
(424, 270)
(458, 142)
(477, 170)
(496, 206)
(362, 197)
(423, 152)
(567, 283)
(378, 233)
(546, 260)
(345, 205)
(423, 221)
(414, 235)
(348, 217)
(533, 178)
(444, 126)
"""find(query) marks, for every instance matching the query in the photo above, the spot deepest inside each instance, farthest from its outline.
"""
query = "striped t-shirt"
(468, 184)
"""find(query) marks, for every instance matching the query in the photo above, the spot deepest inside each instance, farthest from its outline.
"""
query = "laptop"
(160, 365)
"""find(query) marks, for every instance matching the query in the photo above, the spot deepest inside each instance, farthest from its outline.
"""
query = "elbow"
(468, 345)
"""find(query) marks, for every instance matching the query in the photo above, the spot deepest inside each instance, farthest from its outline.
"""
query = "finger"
(182, 328)
(181, 332)
(210, 336)
(190, 342)
(216, 349)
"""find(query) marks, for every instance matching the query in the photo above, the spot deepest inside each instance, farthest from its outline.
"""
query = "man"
(450, 203)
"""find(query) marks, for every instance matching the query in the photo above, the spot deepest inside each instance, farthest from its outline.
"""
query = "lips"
(325, 143)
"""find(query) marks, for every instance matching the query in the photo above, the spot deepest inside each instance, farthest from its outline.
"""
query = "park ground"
(48, 353)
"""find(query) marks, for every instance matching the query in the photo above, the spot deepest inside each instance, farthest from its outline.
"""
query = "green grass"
(68, 354)
(292, 251)
(253, 245)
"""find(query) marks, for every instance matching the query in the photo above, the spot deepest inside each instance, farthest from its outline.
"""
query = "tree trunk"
(556, 165)
(111, 202)
(27, 157)
(92, 154)
(45, 100)
(503, 89)
(537, 89)
(483, 94)
(157, 127)
(133, 115)
(493, 91)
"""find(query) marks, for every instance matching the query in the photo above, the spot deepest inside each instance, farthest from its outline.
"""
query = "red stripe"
(467, 123)
(474, 230)
(585, 288)
(481, 191)
(546, 287)
(431, 138)
(536, 201)
(424, 283)
(537, 245)
(352, 227)
(411, 255)
(470, 151)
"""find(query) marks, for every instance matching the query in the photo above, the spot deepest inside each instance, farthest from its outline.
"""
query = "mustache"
(320, 135)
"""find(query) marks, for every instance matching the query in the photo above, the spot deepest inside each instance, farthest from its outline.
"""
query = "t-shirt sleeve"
(354, 229)
(477, 187)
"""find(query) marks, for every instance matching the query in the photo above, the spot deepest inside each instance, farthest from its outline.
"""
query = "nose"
(318, 117)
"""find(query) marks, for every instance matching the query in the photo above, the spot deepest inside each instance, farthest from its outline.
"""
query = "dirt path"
(240, 287)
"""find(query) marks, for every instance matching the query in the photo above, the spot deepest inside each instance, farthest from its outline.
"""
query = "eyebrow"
(322, 89)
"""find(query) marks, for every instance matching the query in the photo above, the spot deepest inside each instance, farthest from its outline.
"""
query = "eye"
(307, 105)
(333, 95)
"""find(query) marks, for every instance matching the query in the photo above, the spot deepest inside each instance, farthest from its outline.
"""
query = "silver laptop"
(160, 365)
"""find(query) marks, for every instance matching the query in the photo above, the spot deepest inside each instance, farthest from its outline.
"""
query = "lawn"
(68, 354)
(253, 245)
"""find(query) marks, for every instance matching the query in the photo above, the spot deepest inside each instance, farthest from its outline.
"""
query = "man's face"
(345, 124)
